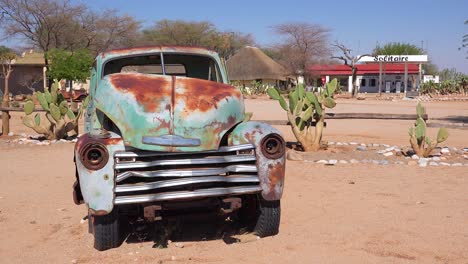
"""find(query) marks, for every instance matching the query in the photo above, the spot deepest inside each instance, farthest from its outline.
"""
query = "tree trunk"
(353, 79)
(6, 103)
(316, 145)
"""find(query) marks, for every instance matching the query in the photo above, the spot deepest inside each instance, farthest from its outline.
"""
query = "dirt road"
(348, 213)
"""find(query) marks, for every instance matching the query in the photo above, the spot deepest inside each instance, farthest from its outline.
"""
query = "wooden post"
(5, 122)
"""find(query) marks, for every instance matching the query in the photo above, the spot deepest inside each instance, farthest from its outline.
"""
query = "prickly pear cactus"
(306, 109)
(420, 142)
(59, 118)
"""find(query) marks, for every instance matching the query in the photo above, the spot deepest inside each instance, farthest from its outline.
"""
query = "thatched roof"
(30, 58)
(250, 63)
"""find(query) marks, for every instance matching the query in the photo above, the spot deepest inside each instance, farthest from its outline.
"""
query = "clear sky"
(438, 26)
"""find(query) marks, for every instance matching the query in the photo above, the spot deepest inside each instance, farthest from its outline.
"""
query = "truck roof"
(155, 49)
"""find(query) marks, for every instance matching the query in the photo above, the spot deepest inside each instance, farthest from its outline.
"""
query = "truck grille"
(144, 176)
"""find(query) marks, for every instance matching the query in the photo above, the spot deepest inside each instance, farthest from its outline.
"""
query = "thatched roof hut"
(250, 63)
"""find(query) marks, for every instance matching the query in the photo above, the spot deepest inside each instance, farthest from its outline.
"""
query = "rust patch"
(87, 138)
(154, 48)
(97, 212)
(276, 174)
(203, 95)
(147, 90)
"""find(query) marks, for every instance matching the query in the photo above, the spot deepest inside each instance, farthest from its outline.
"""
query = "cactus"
(305, 107)
(420, 142)
(60, 119)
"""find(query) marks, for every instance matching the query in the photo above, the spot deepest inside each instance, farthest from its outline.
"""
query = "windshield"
(192, 66)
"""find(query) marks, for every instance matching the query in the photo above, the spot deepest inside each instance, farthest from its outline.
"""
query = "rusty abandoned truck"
(165, 134)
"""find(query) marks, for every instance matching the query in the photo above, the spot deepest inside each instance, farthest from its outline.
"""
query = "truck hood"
(169, 113)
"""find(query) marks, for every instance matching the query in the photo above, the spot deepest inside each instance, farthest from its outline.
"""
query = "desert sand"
(347, 213)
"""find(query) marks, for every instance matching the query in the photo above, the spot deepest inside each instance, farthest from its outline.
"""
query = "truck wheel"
(106, 231)
(268, 220)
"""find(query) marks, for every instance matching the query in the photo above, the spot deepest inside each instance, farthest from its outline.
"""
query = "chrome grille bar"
(186, 173)
(184, 181)
(196, 161)
(136, 154)
(181, 195)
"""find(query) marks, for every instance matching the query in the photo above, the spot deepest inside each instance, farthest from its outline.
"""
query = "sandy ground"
(349, 213)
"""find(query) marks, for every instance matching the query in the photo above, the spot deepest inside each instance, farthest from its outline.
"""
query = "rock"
(345, 144)
(383, 162)
(351, 182)
(363, 144)
(294, 155)
(465, 149)
(339, 144)
(179, 245)
(369, 145)
(11, 134)
(457, 164)
(465, 156)
(375, 161)
(82, 221)
(385, 145)
(415, 157)
(389, 149)
(444, 164)
(398, 153)
(432, 163)
(375, 145)
(423, 162)
(412, 162)
(445, 150)
(74, 140)
(435, 158)
(343, 162)
(443, 158)
(388, 154)
(353, 143)
(331, 143)
(366, 161)
(332, 162)
(361, 148)
(381, 151)
(322, 161)
(354, 161)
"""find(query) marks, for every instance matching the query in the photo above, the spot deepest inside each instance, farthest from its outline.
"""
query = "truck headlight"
(273, 146)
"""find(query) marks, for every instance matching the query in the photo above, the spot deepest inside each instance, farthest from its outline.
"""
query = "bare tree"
(59, 24)
(202, 34)
(349, 61)
(29, 80)
(303, 44)
(7, 56)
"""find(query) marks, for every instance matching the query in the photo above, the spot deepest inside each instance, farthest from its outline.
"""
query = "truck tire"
(268, 220)
(106, 231)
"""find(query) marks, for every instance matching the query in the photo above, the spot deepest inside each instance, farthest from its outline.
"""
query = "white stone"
(415, 157)
(388, 154)
(339, 144)
(444, 164)
(343, 162)
(432, 163)
(362, 144)
(457, 164)
(422, 162)
(465, 156)
(375, 145)
(322, 161)
(11, 134)
(381, 151)
(331, 143)
(332, 162)
(345, 144)
(354, 161)
(436, 158)
(445, 150)
(385, 145)
(353, 143)
(389, 149)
